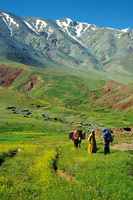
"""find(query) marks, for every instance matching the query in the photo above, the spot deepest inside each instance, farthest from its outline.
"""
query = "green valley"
(53, 76)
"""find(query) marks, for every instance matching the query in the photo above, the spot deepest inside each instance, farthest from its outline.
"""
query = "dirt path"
(66, 176)
(123, 146)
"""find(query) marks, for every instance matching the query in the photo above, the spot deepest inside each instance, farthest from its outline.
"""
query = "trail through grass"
(107, 177)
(31, 173)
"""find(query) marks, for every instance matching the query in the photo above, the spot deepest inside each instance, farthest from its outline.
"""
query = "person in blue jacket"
(106, 141)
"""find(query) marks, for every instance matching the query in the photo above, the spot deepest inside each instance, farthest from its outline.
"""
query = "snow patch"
(125, 30)
(40, 24)
(31, 27)
(10, 22)
(64, 24)
(68, 21)
(78, 29)
(81, 28)
(118, 34)
(93, 28)
(87, 26)
(64, 27)
(50, 31)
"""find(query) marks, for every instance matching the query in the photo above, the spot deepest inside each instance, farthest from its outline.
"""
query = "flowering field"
(34, 166)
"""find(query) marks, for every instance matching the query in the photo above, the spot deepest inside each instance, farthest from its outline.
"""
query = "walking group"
(77, 136)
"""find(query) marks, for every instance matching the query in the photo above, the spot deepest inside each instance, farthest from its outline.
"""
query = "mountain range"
(67, 45)
(64, 71)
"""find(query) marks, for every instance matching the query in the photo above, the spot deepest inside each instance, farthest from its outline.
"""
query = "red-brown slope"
(32, 83)
(116, 95)
(8, 75)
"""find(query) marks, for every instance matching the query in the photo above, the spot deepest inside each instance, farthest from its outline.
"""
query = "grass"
(106, 177)
(31, 174)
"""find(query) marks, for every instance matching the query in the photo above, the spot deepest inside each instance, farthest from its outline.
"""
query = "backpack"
(71, 134)
(110, 136)
(76, 134)
(83, 136)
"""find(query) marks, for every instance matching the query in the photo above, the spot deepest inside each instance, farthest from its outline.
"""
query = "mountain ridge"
(64, 44)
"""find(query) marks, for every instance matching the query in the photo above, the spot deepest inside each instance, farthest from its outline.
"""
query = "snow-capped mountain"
(62, 43)
(127, 30)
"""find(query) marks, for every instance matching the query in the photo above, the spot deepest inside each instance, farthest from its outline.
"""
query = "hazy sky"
(107, 13)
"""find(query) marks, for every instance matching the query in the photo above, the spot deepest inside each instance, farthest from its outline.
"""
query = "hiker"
(106, 141)
(92, 143)
(77, 136)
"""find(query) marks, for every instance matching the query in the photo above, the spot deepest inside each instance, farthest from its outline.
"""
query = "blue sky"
(106, 13)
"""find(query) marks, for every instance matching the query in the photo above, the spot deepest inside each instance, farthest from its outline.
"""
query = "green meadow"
(38, 161)
(41, 166)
